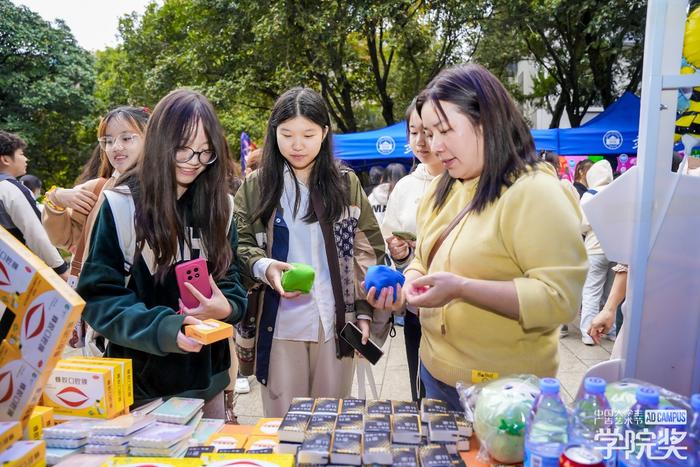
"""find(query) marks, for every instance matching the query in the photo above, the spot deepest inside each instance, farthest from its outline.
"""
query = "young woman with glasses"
(71, 211)
(172, 207)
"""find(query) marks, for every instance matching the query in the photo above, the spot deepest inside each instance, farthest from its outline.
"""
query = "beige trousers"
(304, 369)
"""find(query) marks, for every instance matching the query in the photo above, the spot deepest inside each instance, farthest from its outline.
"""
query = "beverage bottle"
(546, 430)
(634, 453)
(592, 422)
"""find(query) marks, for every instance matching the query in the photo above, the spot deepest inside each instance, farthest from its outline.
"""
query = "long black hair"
(509, 149)
(325, 178)
(158, 223)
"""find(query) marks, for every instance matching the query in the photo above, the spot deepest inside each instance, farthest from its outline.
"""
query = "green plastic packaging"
(299, 279)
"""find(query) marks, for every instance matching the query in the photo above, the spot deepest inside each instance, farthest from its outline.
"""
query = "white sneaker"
(242, 385)
(588, 340)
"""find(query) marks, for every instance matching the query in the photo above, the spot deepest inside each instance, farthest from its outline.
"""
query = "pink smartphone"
(196, 273)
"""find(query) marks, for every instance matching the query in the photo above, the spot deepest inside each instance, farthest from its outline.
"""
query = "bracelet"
(51, 204)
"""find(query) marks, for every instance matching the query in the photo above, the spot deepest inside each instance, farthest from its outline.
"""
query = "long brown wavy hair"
(173, 124)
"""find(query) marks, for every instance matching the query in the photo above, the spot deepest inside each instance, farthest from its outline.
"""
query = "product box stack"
(38, 311)
(85, 387)
(355, 432)
(159, 430)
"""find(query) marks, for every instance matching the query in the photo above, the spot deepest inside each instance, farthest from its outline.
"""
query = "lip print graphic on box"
(42, 327)
(6, 386)
(15, 273)
(81, 391)
(73, 397)
(17, 385)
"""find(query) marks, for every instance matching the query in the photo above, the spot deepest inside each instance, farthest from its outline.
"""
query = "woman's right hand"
(187, 344)
(77, 199)
(274, 278)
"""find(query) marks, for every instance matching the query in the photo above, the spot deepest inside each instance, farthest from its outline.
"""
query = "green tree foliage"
(46, 89)
(367, 58)
(587, 51)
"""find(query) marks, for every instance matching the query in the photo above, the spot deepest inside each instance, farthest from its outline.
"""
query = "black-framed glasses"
(185, 154)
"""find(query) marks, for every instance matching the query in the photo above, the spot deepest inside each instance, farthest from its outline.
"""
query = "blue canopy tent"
(615, 131)
(376, 147)
(387, 145)
(546, 140)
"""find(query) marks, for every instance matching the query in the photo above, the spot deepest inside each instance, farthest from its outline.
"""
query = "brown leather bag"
(77, 339)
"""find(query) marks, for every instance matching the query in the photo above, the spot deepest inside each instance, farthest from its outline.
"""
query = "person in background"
(400, 216)
(380, 194)
(580, 176)
(598, 178)
(376, 173)
(18, 210)
(70, 212)
(313, 212)
(252, 162)
(492, 294)
(34, 184)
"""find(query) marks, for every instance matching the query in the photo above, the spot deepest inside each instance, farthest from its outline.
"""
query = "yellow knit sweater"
(530, 235)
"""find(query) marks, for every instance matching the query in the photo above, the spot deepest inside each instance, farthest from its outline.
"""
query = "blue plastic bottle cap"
(549, 386)
(594, 385)
(695, 402)
(647, 396)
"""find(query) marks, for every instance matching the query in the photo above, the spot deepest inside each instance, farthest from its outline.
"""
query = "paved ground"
(391, 372)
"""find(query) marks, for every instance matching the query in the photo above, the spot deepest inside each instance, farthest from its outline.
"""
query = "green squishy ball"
(500, 415)
(299, 279)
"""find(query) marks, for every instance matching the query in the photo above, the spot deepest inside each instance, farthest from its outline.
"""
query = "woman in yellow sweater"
(493, 292)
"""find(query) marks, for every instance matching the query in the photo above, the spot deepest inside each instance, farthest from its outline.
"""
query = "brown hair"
(136, 117)
(581, 168)
(174, 122)
(509, 149)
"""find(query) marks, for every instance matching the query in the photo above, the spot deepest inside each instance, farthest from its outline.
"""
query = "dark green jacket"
(139, 319)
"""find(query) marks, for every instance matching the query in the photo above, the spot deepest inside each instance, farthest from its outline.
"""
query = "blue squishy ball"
(380, 277)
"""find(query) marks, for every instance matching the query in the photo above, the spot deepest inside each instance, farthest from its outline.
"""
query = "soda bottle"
(546, 430)
(592, 421)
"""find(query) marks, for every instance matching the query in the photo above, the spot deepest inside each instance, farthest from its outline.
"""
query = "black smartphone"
(353, 336)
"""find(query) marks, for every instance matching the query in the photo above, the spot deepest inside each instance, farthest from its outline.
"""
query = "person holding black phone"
(313, 212)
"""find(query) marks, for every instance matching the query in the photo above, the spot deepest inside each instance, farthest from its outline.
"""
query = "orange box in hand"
(209, 331)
